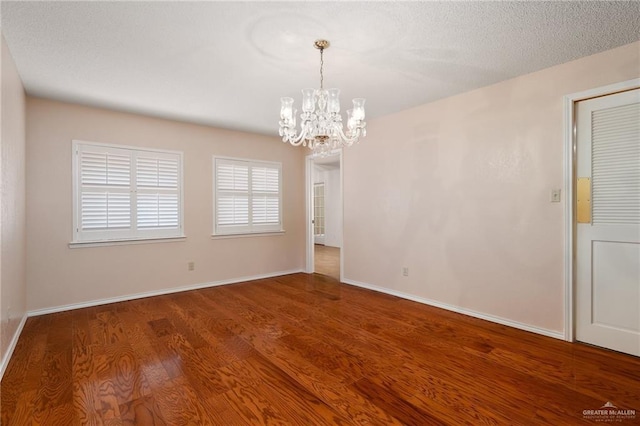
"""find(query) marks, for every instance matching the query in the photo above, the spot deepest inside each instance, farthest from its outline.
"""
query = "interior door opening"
(325, 207)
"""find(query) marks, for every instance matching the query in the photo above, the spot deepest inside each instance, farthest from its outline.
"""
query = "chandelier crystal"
(321, 127)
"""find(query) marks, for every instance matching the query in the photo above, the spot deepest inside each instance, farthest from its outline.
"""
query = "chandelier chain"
(321, 66)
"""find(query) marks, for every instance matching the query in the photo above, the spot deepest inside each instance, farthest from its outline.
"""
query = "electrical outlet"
(555, 195)
(191, 266)
(405, 271)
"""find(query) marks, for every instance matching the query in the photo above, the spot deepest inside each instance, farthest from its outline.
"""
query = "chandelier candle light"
(321, 123)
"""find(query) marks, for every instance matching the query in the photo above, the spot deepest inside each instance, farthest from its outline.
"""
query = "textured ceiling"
(227, 64)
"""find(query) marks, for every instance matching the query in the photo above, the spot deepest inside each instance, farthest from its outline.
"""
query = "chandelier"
(321, 127)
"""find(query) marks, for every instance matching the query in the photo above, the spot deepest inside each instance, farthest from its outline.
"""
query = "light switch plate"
(555, 195)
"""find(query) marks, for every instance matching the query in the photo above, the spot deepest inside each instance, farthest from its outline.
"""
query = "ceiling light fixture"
(321, 123)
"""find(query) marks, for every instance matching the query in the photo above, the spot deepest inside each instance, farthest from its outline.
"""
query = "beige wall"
(12, 202)
(458, 191)
(58, 275)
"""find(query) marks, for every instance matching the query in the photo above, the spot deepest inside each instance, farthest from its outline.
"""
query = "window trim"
(251, 230)
(87, 244)
(140, 238)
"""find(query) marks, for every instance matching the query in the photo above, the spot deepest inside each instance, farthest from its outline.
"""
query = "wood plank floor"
(305, 350)
(327, 260)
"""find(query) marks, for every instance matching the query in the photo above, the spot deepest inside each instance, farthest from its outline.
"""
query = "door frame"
(570, 139)
(309, 162)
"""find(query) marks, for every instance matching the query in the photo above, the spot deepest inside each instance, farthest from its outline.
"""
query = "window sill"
(83, 244)
(246, 234)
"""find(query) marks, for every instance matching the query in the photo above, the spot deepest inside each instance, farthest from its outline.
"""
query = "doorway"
(324, 207)
(607, 221)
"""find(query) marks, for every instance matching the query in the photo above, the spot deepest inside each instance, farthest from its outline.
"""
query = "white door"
(608, 222)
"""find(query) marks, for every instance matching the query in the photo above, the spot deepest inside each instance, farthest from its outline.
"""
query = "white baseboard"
(124, 298)
(12, 345)
(460, 310)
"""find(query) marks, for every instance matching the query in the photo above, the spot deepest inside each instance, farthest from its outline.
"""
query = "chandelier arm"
(344, 139)
(294, 140)
(297, 141)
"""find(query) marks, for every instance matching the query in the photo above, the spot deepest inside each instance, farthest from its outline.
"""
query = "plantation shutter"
(105, 196)
(265, 183)
(247, 196)
(124, 193)
(157, 178)
(233, 194)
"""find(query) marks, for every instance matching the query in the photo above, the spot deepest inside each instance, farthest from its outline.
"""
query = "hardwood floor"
(301, 349)
(327, 260)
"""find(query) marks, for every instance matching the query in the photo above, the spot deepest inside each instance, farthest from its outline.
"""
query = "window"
(248, 196)
(124, 193)
(318, 208)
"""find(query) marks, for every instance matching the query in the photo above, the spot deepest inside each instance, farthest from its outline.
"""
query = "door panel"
(615, 274)
(608, 234)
